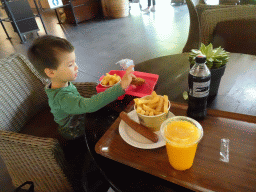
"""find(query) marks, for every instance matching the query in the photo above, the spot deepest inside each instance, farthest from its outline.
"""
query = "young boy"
(55, 59)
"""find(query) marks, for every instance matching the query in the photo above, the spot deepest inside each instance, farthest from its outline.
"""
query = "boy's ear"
(49, 72)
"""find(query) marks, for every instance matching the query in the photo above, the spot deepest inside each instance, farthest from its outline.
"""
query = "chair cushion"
(43, 125)
(237, 36)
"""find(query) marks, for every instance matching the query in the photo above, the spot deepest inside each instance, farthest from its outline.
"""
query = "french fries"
(109, 80)
(152, 105)
(165, 103)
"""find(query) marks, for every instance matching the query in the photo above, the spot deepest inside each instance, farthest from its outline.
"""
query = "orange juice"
(182, 135)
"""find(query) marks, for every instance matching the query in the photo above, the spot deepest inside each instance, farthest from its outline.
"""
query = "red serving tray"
(138, 91)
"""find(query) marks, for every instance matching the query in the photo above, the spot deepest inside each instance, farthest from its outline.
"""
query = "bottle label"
(200, 89)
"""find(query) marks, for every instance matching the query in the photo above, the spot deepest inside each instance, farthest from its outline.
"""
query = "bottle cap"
(200, 58)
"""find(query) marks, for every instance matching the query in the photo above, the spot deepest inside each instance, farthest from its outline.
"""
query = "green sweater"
(66, 103)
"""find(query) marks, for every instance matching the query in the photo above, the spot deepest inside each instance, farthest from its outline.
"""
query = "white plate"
(135, 139)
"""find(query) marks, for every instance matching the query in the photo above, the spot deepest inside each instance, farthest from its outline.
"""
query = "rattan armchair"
(201, 7)
(204, 19)
(29, 141)
(210, 18)
(36, 159)
(196, 8)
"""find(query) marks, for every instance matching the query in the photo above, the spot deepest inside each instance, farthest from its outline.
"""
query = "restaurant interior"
(101, 42)
(101, 39)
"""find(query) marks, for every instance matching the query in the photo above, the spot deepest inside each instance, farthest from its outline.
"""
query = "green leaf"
(185, 95)
(209, 50)
(194, 51)
(209, 64)
(203, 49)
(218, 51)
(217, 65)
(210, 59)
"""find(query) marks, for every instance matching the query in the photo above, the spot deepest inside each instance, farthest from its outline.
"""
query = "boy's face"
(67, 69)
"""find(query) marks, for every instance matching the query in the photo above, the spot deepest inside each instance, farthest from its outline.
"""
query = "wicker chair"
(204, 18)
(29, 141)
(194, 36)
(201, 7)
(210, 18)
(196, 8)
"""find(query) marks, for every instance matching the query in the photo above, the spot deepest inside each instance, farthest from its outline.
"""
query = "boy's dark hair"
(44, 51)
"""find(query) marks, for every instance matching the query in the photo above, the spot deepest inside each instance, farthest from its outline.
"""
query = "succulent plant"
(215, 58)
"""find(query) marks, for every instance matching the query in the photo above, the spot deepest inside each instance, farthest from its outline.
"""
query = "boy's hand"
(127, 78)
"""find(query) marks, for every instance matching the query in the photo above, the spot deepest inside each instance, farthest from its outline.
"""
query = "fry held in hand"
(109, 80)
(152, 105)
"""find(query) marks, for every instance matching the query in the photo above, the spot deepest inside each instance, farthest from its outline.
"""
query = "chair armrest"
(27, 139)
(34, 144)
(86, 89)
(194, 36)
(35, 158)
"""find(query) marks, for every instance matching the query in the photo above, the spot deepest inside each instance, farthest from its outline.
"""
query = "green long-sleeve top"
(66, 102)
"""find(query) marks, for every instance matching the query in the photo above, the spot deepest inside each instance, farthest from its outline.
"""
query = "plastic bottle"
(199, 86)
(125, 63)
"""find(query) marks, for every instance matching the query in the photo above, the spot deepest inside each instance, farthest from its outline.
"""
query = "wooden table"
(237, 88)
(149, 170)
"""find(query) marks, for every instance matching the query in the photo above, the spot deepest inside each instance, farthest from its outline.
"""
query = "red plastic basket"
(138, 91)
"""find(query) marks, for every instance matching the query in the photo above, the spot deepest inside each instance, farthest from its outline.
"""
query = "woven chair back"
(210, 18)
(22, 92)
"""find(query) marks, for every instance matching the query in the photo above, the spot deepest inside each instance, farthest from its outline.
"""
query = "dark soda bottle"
(199, 86)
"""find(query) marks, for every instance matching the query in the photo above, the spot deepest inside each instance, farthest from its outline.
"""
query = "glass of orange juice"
(182, 134)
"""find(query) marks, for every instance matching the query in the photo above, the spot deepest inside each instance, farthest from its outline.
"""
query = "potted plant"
(216, 60)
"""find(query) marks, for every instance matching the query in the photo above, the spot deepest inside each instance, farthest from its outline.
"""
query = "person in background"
(55, 59)
(153, 9)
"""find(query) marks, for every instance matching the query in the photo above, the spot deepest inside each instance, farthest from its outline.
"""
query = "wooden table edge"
(219, 113)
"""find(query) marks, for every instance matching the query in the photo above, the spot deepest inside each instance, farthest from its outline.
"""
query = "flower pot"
(216, 75)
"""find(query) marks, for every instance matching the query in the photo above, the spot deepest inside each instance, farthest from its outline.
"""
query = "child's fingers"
(129, 69)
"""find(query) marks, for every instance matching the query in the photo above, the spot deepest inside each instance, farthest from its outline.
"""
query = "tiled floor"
(100, 43)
